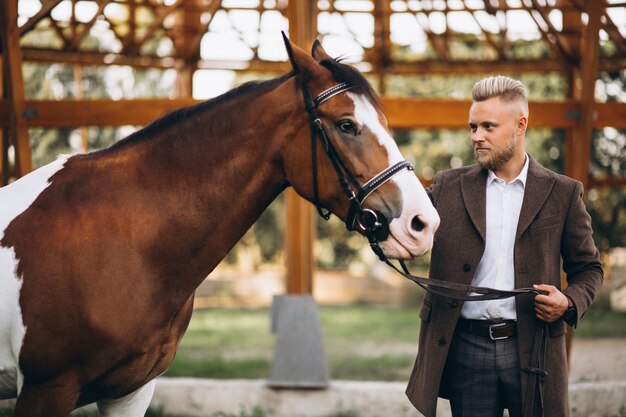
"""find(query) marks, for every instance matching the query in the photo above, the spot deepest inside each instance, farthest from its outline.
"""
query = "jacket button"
(467, 268)
(453, 303)
(442, 341)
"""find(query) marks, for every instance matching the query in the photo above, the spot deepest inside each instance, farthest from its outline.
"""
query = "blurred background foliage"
(429, 150)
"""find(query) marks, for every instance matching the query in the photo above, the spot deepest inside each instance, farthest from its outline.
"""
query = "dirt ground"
(598, 360)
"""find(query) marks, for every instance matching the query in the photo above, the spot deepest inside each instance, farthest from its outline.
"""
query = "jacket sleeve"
(581, 258)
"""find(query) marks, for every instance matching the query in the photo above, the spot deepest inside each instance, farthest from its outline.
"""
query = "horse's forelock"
(344, 73)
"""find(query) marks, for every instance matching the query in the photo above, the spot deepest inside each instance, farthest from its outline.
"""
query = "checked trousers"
(483, 376)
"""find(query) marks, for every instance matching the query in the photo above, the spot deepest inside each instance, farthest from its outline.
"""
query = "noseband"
(372, 223)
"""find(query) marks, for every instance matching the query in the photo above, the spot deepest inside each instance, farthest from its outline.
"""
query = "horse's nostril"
(417, 224)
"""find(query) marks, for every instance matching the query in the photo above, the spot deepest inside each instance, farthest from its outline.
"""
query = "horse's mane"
(349, 74)
(183, 113)
(341, 72)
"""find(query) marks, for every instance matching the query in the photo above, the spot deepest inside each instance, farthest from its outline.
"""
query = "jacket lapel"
(538, 186)
(474, 190)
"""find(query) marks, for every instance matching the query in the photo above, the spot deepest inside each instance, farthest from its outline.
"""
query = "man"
(506, 222)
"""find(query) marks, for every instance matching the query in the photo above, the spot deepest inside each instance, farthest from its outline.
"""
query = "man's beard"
(494, 160)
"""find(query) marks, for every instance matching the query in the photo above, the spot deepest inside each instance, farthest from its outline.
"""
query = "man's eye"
(346, 126)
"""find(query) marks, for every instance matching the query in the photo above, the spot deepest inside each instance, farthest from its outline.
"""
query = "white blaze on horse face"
(14, 200)
(405, 240)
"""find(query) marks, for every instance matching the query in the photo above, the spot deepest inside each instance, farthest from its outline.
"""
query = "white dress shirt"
(497, 268)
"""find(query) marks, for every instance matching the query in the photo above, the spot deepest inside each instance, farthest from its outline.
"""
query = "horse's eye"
(346, 126)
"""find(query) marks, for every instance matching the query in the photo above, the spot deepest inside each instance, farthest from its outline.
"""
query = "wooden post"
(300, 226)
(78, 92)
(187, 30)
(579, 146)
(14, 88)
(382, 41)
(582, 81)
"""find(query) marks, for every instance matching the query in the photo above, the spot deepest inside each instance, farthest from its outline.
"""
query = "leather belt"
(489, 329)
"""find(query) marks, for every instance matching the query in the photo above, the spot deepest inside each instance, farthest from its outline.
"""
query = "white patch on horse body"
(15, 198)
(134, 404)
(414, 197)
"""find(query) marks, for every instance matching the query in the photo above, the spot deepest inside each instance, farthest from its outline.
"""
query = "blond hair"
(507, 89)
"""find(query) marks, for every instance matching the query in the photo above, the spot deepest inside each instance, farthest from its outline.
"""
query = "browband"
(334, 90)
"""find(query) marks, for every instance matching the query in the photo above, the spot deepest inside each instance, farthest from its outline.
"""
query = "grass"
(600, 321)
(255, 412)
(361, 342)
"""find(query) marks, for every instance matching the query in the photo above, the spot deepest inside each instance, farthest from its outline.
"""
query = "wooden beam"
(79, 94)
(300, 220)
(211, 10)
(74, 113)
(578, 151)
(394, 68)
(128, 41)
(12, 61)
(554, 40)
(607, 182)
(410, 113)
(382, 42)
(93, 58)
(438, 43)
(572, 29)
(401, 112)
(489, 38)
(156, 24)
(78, 37)
(613, 31)
(46, 8)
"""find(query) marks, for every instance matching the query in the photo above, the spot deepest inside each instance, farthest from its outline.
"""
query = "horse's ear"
(318, 52)
(300, 60)
(289, 50)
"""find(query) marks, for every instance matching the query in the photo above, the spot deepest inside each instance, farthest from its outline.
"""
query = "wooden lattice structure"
(576, 38)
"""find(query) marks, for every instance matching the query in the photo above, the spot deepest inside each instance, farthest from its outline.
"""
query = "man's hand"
(551, 306)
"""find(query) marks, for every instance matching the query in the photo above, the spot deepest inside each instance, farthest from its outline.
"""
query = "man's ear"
(318, 52)
(522, 124)
(301, 62)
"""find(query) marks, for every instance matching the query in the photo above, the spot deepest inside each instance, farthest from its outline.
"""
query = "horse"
(101, 253)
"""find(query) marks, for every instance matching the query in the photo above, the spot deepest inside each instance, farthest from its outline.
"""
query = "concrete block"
(299, 358)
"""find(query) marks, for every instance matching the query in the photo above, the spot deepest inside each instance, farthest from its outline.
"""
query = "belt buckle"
(493, 326)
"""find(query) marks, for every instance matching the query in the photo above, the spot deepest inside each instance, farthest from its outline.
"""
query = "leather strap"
(458, 291)
(536, 373)
(490, 330)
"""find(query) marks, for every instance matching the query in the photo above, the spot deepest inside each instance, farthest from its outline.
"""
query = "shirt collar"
(521, 177)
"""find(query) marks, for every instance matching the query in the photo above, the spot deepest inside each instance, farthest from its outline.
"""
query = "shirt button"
(467, 268)
(453, 303)
(442, 341)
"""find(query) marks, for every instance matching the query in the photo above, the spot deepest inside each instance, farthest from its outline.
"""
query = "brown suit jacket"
(554, 229)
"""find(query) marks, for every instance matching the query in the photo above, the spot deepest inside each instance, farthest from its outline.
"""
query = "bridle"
(372, 223)
(375, 226)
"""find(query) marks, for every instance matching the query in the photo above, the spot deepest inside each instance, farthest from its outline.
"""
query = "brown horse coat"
(100, 254)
